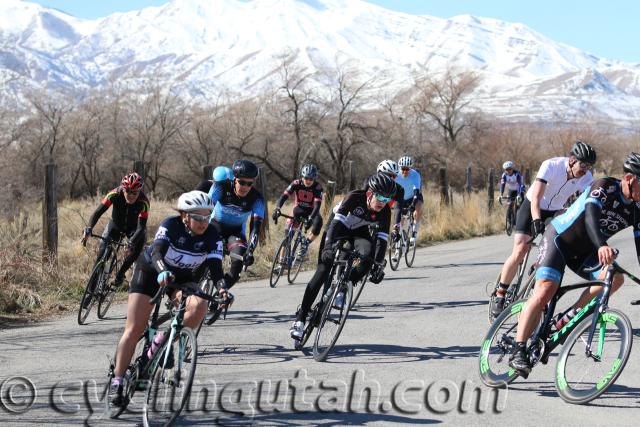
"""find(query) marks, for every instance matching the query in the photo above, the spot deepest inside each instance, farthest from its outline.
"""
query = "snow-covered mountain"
(210, 45)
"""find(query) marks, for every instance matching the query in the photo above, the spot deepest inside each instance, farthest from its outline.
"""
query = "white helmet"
(388, 166)
(405, 162)
(507, 165)
(194, 200)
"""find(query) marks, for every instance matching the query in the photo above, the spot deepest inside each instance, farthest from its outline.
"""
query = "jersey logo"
(198, 246)
(616, 204)
(358, 211)
(181, 240)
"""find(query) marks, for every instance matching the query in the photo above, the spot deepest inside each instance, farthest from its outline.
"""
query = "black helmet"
(309, 171)
(632, 164)
(244, 169)
(583, 152)
(382, 184)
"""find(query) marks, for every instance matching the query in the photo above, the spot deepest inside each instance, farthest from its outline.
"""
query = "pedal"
(523, 374)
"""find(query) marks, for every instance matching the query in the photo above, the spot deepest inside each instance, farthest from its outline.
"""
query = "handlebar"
(599, 266)
(106, 239)
(190, 286)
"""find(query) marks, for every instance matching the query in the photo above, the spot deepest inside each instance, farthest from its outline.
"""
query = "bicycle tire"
(175, 378)
(497, 373)
(93, 281)
(583, 390)
(296, 263)
(107, 291)
(491, 296)
(411, 248)
(359, 288)
(276, 262)
(326, 337)
(526, 290)
(509, 221)
(395, 245)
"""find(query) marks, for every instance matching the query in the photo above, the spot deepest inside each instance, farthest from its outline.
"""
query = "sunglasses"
(585, 165)
(382, 198)
(244, 183)
(132, 192)
(199, 218)
(405, 169)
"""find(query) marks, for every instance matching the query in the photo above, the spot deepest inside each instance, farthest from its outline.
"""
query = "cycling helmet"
(222, 173)
(405, 162)
(389, 167)
(194, 200)
(382, 184)
(583, 152)
(507, 165)
(245, 169)
(309, 171)
(632, 164)
(132, 182)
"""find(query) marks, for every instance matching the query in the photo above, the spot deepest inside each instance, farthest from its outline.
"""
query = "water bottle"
(157, 342)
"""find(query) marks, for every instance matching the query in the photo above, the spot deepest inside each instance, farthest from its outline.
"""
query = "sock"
(116, 381)
(502, 289)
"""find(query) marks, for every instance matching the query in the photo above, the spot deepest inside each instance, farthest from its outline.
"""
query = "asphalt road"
(411, 346)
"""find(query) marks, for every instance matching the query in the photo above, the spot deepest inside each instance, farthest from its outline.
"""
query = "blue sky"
(608, 29)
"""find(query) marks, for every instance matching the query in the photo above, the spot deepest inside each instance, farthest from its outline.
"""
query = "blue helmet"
(222, 173)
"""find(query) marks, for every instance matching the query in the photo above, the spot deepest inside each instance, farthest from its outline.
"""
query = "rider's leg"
(593, 291)
(510, 267)
(138, 312)
(362, 245)
(196, 311)
(131, 257)
(237, 246)
(418, 214)
(544, 290)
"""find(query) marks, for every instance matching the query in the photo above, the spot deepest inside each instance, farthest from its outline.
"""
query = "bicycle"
(98, 284)
(609, 329)
(510, 216)
(287, 256)
(168, 376)
(213, 311)
(403, 244)
(515, 292)
(326, 315)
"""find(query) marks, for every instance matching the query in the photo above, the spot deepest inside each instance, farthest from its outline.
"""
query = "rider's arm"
(636, 239)
(592, 213)
(256, 222)
(106, 202)
(214, 261)
(285, 195)
(383, 235)
(159, 249)
(537, 191)
(142, 221)
(317, 200)
(216, 192)
(503, 180)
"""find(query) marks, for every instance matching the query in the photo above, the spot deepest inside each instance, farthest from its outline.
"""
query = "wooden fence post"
(490, 188)
(352, 175)
(444, 186)
(468, 181)
(262, 176)
(207, 172)
(50, 215)
(329, 196)
(138, 167)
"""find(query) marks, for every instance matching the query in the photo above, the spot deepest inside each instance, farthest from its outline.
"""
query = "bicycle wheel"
(278, 266)
(170, 385)
(410, 254)
(497, 346)
(87, 301)
(358, 290)
(296, 263)
(581, 378)
(107, 291)
(397, 245)
(331, 323)
(526, 290)
(509, 221)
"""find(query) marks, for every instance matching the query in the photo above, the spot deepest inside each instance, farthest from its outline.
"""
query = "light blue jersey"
(409, 183)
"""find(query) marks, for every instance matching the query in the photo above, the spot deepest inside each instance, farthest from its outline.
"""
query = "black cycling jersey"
(305, 198)
(130, 219)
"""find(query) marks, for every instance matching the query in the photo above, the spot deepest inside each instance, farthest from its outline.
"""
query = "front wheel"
(296, 262)
(279, 265)
(88, 300)
(171, 379)
(410, 254)
(509, 221)
(332, 321)
(359, 287)
(580, 378)
(395, 246)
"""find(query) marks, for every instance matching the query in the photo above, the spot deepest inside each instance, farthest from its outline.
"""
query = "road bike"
(99, 287)
(510, 214)
(292, 251)
(596, 343)
(403, 244)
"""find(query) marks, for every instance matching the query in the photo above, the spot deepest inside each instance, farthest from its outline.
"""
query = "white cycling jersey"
(553, 172)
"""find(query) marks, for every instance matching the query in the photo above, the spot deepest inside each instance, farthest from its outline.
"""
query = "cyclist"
(356, 212)
(390, 168)
(578, 239)
(513, 180)
(307, 194)
(220, 173)
(128, 217)
(182, 244)
(557, 179)
(410, 180)
(235, 200)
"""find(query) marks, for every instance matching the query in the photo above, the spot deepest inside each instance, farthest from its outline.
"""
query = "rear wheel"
(170, 383)
(88, 297)
(279, 262)
(296, 262)
(580, 378)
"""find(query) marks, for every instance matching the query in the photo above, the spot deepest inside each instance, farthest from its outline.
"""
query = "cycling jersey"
(513, 182)
(306, 198)
(233, 210)
(411, 183)
(600, 212)
(553, 172)
(130, 219)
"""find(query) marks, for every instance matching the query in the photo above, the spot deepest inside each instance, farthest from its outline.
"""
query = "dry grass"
(29, 288)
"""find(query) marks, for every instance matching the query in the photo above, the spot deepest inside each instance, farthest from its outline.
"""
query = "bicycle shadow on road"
(391, 353)
(616, 391)
(376, 307)
(306, 418)
(462, 264)
(236, 354)
(256, 317)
